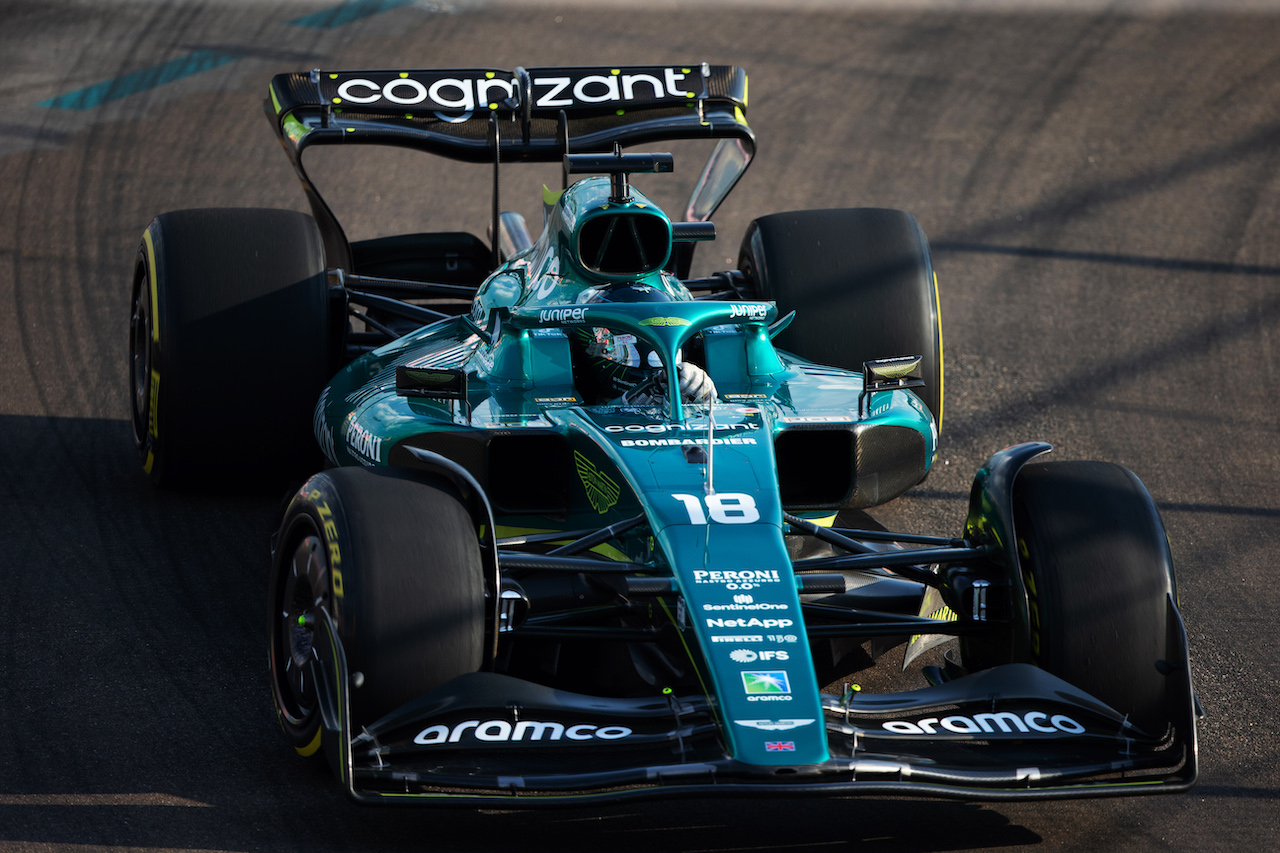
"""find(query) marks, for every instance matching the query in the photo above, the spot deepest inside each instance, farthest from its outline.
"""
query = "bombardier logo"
(502, 731)
(1005, 722)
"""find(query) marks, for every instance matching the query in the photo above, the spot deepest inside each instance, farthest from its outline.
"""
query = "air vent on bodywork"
(815, 466)
(526, 471)
(530, 473)
(847, 468)
(624, 243)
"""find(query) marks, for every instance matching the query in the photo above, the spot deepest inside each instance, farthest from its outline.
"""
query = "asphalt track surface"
(1101, 190)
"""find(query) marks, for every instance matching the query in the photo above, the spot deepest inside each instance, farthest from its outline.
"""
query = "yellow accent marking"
(602, 491)
(622, 112)
(337, 100)
(153, 416)
(489, 75)
(943, 614)
(404, 75)
(687, 70)
(604, 550)
(738, 115)
(664, 321)
(151, 268)
(942, 385)
(493, 105)
(746, 82)
(310, 749)
(895, 371)
(615, 71)
(351, 130)
(550, 196)
(151, 460)
(333, 76)
(275, 102)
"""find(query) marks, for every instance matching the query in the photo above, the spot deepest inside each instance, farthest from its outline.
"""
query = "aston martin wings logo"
(664, 321)
(602, 491)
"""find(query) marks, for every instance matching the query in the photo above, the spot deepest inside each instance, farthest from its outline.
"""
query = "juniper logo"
(561, 315)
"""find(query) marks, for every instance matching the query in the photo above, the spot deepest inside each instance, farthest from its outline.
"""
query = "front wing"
(1009, 733)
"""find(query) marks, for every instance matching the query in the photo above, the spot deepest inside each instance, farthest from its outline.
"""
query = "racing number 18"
(724, 508)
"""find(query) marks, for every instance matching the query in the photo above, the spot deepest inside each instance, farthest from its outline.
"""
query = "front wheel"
(1098, 573)
(396, 561)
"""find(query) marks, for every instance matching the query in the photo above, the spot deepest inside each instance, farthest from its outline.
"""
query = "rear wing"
(526, 115)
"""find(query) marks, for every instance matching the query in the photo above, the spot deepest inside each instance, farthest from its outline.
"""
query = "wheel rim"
(302, 589)
(140, 361)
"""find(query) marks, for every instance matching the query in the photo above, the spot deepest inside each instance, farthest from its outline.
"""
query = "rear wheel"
(1098, 572)
(228, 344)
(396, 562)
(861, 284)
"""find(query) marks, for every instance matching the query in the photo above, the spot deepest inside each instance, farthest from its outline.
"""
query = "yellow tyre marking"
(155, 303)
(310, 749)
(942, 385)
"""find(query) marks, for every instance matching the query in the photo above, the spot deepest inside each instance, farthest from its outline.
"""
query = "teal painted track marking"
(140, 81)
(206, 60)
(345, 13)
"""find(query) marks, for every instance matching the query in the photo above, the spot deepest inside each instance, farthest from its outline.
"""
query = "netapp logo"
(501, 731)
(1005, 721)
(749, 623)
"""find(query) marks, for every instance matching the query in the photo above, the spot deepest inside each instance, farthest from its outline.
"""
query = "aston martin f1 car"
(582, 525)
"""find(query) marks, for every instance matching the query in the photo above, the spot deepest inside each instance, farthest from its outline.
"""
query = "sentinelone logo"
(553, 90)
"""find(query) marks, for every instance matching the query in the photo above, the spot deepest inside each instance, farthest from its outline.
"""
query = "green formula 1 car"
(577, 532)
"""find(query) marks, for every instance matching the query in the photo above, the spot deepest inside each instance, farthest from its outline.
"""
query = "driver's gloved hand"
(695, 385)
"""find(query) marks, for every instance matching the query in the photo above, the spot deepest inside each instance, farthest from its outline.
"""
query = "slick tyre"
(1096, 563)
(228, 345)
(396, 562)
(861, 283)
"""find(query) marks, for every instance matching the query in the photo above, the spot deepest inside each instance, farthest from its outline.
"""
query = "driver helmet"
(611, 364)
